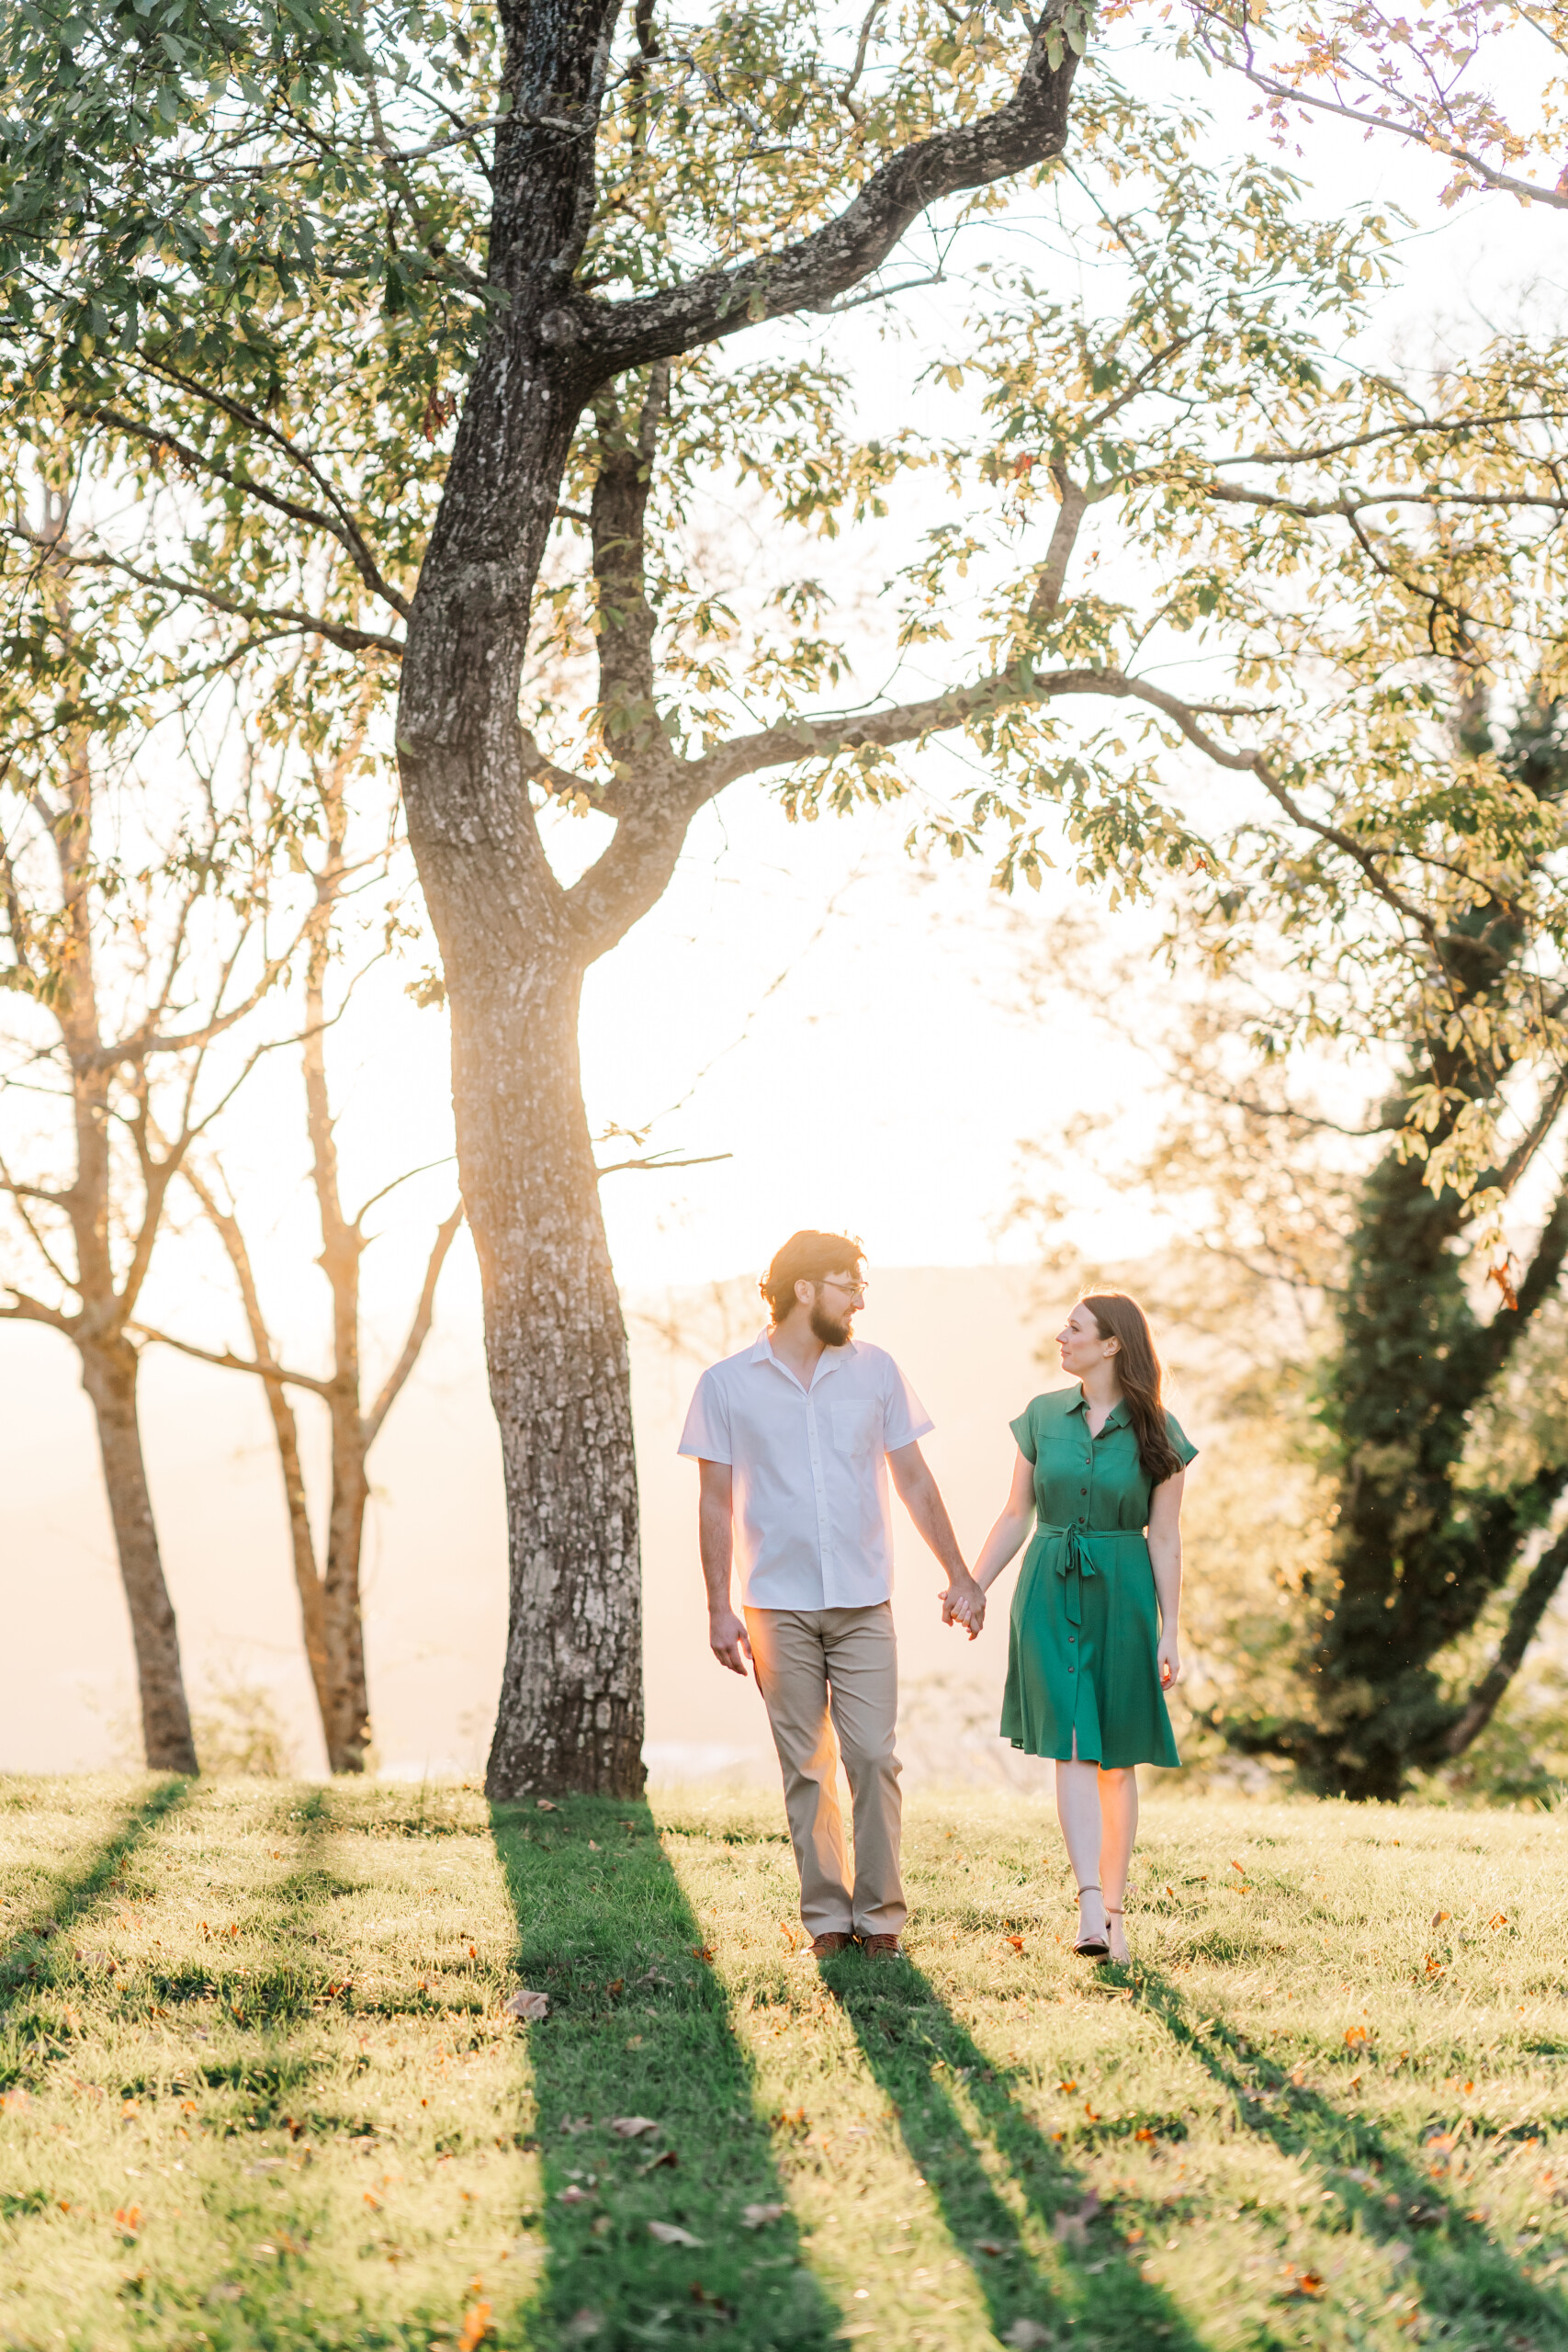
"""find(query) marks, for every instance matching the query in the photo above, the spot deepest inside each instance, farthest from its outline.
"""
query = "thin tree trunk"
(108, 1375)
(286, 1430)
(348, 1716)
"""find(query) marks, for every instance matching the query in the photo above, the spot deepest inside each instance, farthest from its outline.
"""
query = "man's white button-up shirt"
(813, 1524)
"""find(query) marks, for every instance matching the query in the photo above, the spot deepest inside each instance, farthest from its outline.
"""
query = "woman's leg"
(1077, 1810)
(1119, 1813)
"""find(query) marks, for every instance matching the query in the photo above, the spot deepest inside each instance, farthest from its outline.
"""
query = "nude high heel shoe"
(1090, 1947)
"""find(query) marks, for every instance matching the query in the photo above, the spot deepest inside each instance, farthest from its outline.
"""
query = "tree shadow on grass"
(1467, 2284)
(637, 2027)
(31, 1960)
(1092, 2281)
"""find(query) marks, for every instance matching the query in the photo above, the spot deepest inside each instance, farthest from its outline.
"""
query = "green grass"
(260, 2090)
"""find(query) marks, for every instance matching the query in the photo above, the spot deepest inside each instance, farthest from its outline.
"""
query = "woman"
(1103, 1466)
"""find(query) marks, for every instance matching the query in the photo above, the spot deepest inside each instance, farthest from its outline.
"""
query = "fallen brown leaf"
(529, 2007)
(989, 2245)
(1302, 2282)
(543, 1804)
(757, 2217)
(1438, 1916)
(669, 2234)
(632, 2127)
(1028, 2336)
(572, 2194)
(475, 2328)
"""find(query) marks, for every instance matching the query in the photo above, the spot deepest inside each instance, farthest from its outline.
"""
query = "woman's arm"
(1165, 1554)
(1011, 1528)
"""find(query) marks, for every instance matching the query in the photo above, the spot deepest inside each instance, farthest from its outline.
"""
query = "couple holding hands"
(793, 1438)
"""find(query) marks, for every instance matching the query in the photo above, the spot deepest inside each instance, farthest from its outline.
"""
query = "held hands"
(963, 1603)
(1169, 1657)
(727, 1638)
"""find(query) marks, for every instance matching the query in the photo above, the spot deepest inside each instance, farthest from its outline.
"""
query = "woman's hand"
(1170, 1657)
(963, 1603)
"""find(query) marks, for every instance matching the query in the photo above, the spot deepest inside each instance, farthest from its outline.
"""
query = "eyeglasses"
(851, 1290)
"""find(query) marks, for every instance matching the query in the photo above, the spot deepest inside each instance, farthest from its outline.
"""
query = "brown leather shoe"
(823, 1946)
(882, 1947)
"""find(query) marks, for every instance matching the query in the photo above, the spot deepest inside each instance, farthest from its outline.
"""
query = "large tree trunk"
(570, 1713)
(572, 1707)
(108, 1375)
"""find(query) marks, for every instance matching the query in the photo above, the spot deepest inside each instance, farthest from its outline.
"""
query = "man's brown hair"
(806, 1257)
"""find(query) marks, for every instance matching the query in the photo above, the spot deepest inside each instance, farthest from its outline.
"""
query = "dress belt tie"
(1073, 1561)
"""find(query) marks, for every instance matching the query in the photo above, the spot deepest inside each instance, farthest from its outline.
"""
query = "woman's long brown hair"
(1138, 1370)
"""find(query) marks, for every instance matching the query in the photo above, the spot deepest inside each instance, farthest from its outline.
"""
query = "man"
(791, 1437)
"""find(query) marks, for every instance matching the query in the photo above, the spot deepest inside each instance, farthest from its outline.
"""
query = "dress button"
(1069, 1669)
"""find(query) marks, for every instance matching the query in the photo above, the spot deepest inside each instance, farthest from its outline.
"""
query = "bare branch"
(661, 1159)
(33, 1310)
(407, 1177)
(1534, 1598)
(228, 1362)
(418, 1329)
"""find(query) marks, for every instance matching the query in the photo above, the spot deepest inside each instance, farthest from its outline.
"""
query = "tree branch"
(418, 1329)
(1292, 94)
(1030, 127)
(1530, 1605)
(661, 1159)
(347, 535)
(351, 641)
(226, 1361)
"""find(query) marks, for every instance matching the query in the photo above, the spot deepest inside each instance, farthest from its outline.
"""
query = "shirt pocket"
(857, 1429)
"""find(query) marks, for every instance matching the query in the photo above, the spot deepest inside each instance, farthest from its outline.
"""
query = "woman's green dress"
(1081, 1656)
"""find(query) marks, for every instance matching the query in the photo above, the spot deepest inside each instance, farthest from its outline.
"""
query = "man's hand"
(963, 1603)
(726, 1636)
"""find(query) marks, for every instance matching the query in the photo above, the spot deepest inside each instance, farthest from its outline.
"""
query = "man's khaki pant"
(823, 1671)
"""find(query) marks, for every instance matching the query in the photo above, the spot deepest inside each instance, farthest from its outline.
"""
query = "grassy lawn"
(260, 2087)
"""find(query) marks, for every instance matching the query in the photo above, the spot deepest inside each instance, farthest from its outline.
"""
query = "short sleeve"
(706, 1434)
(1179, 1439)
(1023, 1430)
(904, 1418)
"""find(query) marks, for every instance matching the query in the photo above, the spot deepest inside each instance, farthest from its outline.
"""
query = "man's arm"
(716, 1538)
(962, 1602)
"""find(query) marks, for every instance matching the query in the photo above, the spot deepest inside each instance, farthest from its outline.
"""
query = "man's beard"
(829, 1329)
